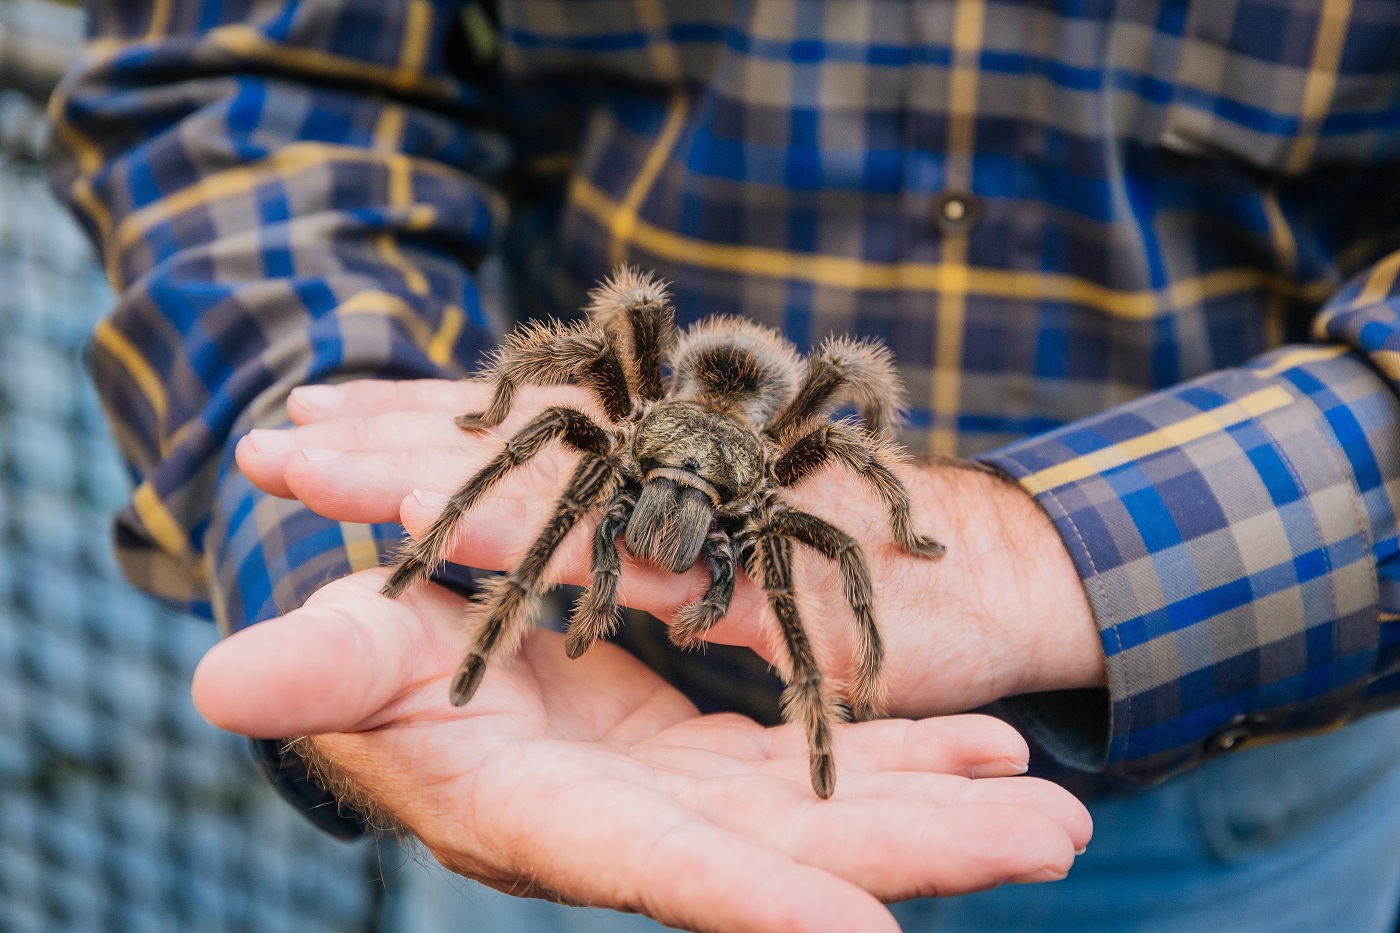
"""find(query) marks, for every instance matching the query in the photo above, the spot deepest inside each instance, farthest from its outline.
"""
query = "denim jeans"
(1299, 836)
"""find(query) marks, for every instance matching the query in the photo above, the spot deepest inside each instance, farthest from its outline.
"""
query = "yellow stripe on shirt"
(1173, 435)
(847, 272)
(165, 531)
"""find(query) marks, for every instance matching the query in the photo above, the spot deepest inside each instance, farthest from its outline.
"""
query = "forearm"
(267, 224)
(1015, 579)
(277, 203)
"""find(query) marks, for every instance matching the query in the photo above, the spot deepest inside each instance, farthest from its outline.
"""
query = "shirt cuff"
(1223, 531)
(266, 557)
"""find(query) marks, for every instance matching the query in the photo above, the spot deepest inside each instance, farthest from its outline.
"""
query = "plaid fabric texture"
(1049, 210)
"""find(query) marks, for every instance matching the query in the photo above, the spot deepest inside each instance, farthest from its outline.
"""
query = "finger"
(896, 760)
(363, 397)
(970, 745)
(876, 759)
(263, 454)
(898, 848)
(641, 852)
(1046, 798)
(358, 485)
(370, 486)
(262, 467)
(586, 829)
(363, 420)
(328, 667)
(379, 485)
(366, 398)
(967, 746)
(721, 882)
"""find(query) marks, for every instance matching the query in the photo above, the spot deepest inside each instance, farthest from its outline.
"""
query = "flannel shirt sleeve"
(1236, 539)
(283, 193)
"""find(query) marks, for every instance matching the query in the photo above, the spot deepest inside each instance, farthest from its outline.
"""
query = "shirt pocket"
(1286, 86)
(1263, 799)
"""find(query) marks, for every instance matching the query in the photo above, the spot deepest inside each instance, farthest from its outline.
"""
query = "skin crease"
(593, 781)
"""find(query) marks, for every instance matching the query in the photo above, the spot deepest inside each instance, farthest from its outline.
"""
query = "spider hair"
(634, 309)
(843, 370)
(690, 466)
(552, 353)
(733, 362)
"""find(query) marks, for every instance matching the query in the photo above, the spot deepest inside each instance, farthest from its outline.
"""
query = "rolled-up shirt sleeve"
(283, 194)
(1236, 538)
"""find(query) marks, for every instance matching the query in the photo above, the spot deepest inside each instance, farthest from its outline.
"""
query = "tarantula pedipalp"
(688, 465)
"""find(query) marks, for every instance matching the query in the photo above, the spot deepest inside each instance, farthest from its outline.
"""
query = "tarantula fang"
(688, 465)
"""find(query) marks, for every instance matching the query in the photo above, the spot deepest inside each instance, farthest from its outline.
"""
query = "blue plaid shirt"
(1150, 245)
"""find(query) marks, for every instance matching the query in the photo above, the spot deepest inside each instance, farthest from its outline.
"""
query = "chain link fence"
(120, 808)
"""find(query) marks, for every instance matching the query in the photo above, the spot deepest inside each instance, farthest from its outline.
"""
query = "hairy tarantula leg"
(422, 555)
(865, 455)
(595, 616)
(693, 620)
(633, 300)
(861, 370)
(769, 561)
(552, 354)
(510, 601)
(826, 539)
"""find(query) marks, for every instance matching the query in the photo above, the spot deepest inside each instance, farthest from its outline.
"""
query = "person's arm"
(1219, 555)
(1236, 538)
(279, 201)
(291, 201)
(592, 780)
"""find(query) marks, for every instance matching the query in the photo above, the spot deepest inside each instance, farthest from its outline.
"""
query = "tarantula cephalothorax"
(685, 466)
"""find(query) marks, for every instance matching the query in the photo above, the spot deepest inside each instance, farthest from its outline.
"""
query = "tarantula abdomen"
(689, 466)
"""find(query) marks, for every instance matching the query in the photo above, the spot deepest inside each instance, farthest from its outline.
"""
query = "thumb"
(330, 666)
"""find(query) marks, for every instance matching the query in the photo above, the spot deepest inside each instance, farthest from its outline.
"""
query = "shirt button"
(1235, 733)
(956, 211)
(1228, 739)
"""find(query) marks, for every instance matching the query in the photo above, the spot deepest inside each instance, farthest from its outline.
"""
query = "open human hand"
(593, 781)
(1003, 613)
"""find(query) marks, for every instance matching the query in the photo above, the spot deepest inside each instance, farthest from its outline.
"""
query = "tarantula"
(688, 465)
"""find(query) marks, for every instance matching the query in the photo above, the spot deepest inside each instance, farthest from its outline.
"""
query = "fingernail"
(1036, 877)
(431, 501)
(1001, 767)
(318, 398)
(1081, 850)
(319, 453)
(266, 440)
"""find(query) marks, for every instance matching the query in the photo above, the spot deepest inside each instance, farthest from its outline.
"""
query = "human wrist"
(1022, 587)
(1065, 649)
